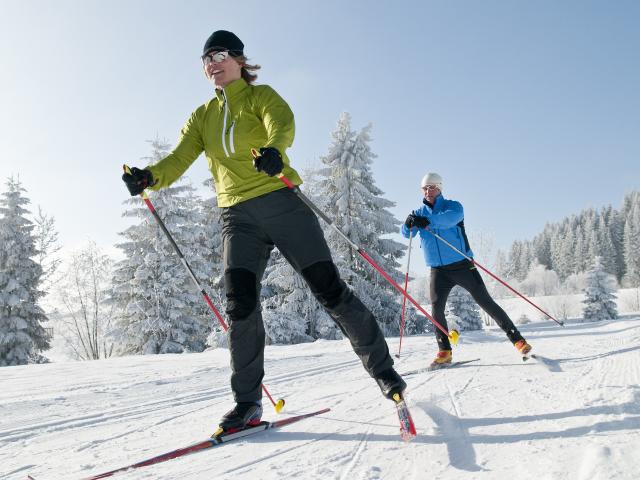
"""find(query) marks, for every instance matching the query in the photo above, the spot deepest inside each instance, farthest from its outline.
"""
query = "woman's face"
(221, 68)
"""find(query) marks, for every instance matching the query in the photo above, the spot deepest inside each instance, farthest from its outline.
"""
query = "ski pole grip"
(454, 336)
(281, 176)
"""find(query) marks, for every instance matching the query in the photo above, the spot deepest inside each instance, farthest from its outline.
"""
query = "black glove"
(138, 180)
(414, 220)
(269, 161)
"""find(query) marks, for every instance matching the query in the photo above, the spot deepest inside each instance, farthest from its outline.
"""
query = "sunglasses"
(215, 57)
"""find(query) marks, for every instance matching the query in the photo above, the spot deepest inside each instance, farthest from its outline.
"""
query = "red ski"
(206, 444)
(407, 427)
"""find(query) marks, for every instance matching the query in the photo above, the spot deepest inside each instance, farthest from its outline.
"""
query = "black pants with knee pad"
(250, 231)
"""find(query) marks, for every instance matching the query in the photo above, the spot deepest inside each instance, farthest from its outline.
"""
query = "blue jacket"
(446, 218)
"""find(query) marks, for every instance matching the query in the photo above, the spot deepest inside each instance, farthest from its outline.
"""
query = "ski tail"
(206, 444)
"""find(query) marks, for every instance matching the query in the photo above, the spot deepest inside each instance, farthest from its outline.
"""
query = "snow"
(575, 415)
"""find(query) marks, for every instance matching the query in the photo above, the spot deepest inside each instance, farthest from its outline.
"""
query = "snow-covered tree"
(357, 207)
(599, 302)
(463, 307)
(288, 307)
(161, 310)
(571, 245)
(212, 256)
(83, 290)
(540, 281)
(290, 312)
(22, 336)
(632, 247)
(601, 245)
(47, 246)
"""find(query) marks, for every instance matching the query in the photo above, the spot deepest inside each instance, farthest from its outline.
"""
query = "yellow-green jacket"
(240, 117)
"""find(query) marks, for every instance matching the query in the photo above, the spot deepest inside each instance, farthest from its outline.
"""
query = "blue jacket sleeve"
(449, 216)
(405, 231)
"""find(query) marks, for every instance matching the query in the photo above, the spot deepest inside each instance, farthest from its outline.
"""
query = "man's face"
(430, 192)
(221, 68)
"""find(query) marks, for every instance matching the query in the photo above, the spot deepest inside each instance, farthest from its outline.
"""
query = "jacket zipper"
(231, 145)
(224, 124)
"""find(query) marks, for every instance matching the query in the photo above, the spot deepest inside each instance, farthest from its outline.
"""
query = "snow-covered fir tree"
(600, 298)
(290, 311)
(570, 246)
(212, 256)
(461, 305)
(632, 247)
(287, 305)
(161, 310)
(356, 206)
(22, 336)
(540, 281)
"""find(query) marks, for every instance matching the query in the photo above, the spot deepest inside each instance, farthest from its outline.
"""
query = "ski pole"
(453, 335)
(279, 405)
(494, 276)
(404, 299)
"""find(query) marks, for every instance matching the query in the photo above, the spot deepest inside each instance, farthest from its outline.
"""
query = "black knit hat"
(221, 39)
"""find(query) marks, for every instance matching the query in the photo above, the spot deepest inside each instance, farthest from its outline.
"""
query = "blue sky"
(529, 110)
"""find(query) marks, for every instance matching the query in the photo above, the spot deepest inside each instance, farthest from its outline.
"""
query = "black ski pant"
(466, 275)
(250, 231)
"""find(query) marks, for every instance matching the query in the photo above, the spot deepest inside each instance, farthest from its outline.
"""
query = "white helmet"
(432, 179)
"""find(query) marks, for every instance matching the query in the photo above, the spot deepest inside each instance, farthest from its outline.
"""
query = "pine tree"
(22, 336)
(211, 240)
(599, 294)
(632, 247)
(162, 312)
(615, 223)
(357, 207)
(602, 245)
(461, 305)
(288, 305)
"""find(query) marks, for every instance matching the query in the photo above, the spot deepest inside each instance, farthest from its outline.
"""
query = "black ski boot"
(244, 414)
(390, 383)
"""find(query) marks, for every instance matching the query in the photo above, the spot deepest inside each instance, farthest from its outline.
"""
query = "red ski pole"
(453, 335)
(404, 299)
(494, 276)
(279, 405)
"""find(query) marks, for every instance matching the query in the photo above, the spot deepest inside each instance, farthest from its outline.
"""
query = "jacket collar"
(231, 90)
(439, 201)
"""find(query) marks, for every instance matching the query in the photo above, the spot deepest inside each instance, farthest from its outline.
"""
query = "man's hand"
(414, 220)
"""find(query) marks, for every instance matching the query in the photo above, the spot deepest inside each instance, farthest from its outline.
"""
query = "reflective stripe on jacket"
(240, 117)
(446, 218)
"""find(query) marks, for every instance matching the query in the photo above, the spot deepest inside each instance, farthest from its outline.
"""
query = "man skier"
(449, 268)
(258, 213)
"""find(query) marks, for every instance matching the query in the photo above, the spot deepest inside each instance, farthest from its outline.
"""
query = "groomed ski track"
(573, 413)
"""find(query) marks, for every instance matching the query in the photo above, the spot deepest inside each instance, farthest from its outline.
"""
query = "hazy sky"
(529, 110)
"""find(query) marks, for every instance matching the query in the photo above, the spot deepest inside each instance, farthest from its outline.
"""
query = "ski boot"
(243, 415)
(390, 383)
(524, 348)
(443, 359)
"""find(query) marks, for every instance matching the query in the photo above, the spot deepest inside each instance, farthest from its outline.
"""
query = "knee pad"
(241, 293)
(325, 283)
